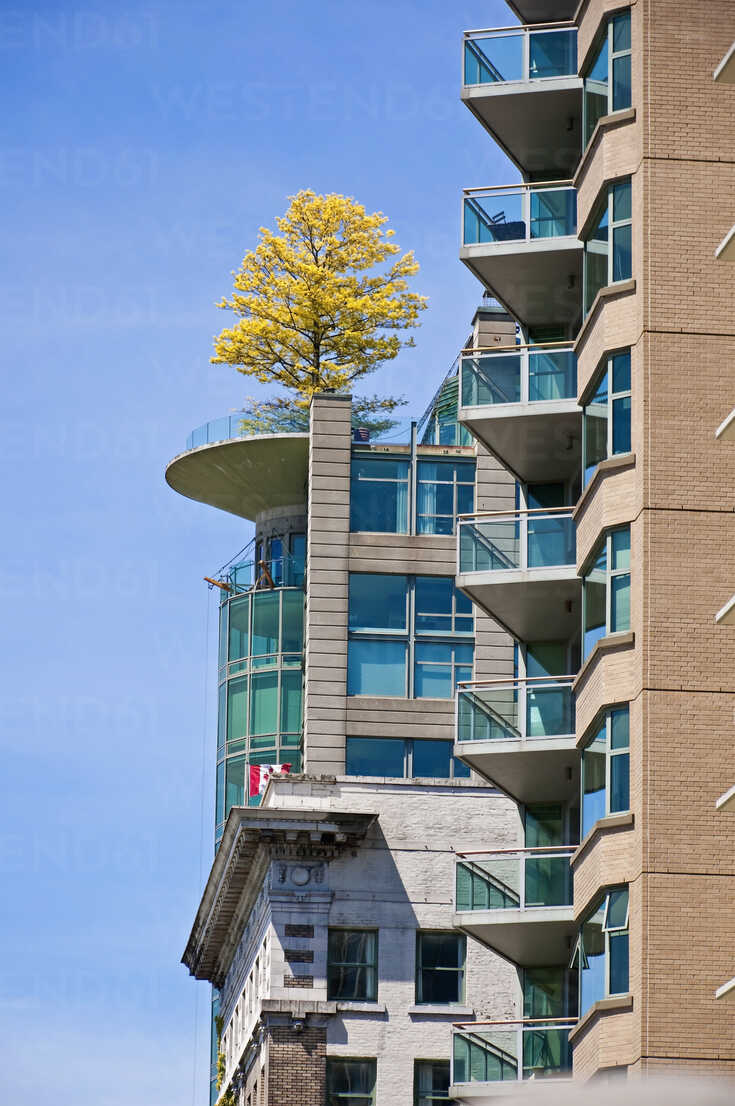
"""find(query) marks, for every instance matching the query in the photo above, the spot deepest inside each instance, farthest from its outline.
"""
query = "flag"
(261, 773)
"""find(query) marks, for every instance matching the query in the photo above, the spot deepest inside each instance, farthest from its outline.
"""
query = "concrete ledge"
(453, 1011)
(299, 1008)
(603, 1006)
(608, 644)
(362, 1008)
(610, 464)
(602, 826)
(609, 292)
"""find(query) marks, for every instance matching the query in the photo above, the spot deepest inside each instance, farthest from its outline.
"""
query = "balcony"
(519, 566)
(542, 11)
(521, 83)
(518, 902)
(521, 402)
(520, 241)
(242, 473)
(489, 1057)
(520, 735)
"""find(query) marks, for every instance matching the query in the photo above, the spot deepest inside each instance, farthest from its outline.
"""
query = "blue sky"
(142, 147)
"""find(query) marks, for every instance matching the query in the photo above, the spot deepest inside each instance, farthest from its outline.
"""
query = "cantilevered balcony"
(543, 11)
(520, 735)
(522, 85)
(519, 566)
(521, 402)
(520, 241)
(518, 902)
(238, 471)
(489, 1058)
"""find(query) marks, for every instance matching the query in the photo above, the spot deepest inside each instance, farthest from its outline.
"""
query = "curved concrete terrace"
(244, 475)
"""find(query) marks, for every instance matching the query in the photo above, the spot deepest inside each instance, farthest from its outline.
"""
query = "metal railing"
(515, 710)
(504, 540)
(273, 572)
(518, 374)
(520, 54)
(519, 212)
(514, 879)
(491, 1052)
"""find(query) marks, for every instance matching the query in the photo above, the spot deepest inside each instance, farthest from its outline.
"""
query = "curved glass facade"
(259, 717)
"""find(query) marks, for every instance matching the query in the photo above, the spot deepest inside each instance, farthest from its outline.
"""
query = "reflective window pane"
(619, 968)
(620, 541)
(374, 756)
(432, 759)
(620, 729)
(264, 703)
(622, 91)
(622, 253)
(619, 783)
(266, 613)
(239, 627)
(621, 372)
(376, 668)
(621, 425)
(378, 602)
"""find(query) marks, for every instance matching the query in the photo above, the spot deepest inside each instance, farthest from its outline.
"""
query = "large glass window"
(409, 636)
(379, 491)
(607, 84)
(601, 952)
(606, 417)
(606, 589)
(383, 491)
(260, 691)
(350, 1082)
(431, 1082)
(549, 992)
(608, 251)
(445, 489)
(403, 759)
(440, 967)
(352, 965)
(606, 769)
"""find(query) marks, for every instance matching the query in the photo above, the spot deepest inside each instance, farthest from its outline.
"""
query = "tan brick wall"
(680, 673)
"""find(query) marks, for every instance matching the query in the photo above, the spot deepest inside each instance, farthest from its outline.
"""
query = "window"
(350, 1082)
(384, 498)
(445, 489)
(352, 965)
(549, 992)
(607, 85)
(606, 769)
(601, 952)
(410, 636)
(379, 495)
(440, 960)
(394, 757)
(606, 589)
(430, 1082)
(608, 252)
(606, 418)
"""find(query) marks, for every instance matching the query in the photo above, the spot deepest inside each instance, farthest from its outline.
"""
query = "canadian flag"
(261, 773)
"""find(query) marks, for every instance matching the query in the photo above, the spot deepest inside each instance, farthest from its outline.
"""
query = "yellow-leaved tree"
(319, 305)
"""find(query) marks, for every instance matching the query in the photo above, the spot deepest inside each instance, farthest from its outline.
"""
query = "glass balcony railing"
(519, 213)
(543, 538)
(492, 1052)
(217, 430)
(519, 374)
(514, 879)
(520, 54)
(277, 572)
(514, 710)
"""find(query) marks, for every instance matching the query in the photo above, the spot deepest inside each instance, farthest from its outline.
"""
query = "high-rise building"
(627, 155)
(489, 647)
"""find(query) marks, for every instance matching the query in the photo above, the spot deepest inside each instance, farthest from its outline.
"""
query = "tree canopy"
(319, 305)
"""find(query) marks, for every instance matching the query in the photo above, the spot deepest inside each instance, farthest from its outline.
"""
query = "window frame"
(603, 903)
(460, 972)
(413, 483)
(411, 637)
(408, 757)
(606, 369)
(593, 246)
(417, 1094)
(371, 968)
(607, 42)
(611, 574)
(605, 721)
(340, 1097)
